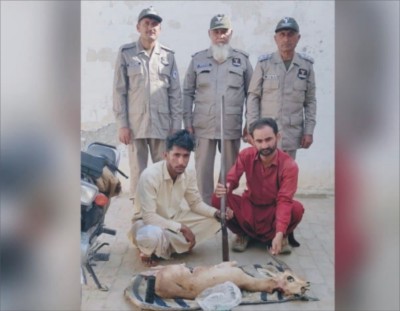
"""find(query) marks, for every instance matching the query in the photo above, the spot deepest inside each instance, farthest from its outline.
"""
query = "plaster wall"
(106, 25)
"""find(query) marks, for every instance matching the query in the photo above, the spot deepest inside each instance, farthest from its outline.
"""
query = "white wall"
(106, 25)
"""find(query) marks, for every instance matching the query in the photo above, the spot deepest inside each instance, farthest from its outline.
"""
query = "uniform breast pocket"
(300, 85)
(235, 77)
(233, 118)
(299, 90)
(203, 78)
(270, 85)
(201, 116)
(135, 74)
(165, 75)
(296, 121)
(164, 116)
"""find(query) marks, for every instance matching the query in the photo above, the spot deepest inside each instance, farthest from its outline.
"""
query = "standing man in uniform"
(217, 71)
(147, 97)
(283, 88)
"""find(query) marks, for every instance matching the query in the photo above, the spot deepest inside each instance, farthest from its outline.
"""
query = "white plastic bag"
(220, 297)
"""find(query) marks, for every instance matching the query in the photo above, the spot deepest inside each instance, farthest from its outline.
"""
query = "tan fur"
(174, 281)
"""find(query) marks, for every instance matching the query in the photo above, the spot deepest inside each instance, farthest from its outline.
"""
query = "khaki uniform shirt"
(147, 95)
(205, 83)
(287, 96)
(159, 201)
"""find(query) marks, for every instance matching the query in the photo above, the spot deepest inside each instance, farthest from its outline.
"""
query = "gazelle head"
(287, 282)
(291, 284)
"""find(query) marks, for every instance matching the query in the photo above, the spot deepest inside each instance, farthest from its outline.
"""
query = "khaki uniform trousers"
(138, 153)
(204, 162)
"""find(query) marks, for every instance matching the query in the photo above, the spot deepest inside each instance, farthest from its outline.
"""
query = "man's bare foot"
(148, 261)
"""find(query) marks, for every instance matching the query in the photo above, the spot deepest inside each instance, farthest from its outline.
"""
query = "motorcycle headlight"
(88, 193)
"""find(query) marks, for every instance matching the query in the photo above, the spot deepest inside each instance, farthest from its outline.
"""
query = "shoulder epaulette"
(242, 52)
(128, 46)
(306, 57)
(199, 52)
(264, 57)
(167, 49)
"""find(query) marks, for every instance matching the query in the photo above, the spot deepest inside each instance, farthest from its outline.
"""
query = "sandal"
(240, 243)
(148, 261)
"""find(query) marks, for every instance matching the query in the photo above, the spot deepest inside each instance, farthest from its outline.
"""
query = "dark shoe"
(292, 240)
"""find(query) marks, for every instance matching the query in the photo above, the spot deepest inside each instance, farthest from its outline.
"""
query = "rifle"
(225, 245)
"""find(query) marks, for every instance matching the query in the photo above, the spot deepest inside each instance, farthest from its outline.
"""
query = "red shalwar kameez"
(267, 205)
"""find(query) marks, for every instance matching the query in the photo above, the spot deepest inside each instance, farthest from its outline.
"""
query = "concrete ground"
(313, 260)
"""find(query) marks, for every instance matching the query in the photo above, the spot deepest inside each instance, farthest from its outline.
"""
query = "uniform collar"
(296, 60)
(276, 58)
(140, 49)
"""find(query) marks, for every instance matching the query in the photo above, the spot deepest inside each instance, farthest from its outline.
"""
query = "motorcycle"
(99, 182)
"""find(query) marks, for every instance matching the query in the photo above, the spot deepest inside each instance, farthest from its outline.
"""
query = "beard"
(220, 52)
(267, 151)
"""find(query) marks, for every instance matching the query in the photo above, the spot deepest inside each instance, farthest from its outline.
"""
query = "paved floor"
(313, 260)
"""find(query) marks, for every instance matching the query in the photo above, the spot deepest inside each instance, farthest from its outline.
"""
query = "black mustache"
(265, 149)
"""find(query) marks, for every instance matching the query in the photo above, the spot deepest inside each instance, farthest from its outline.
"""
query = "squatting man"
(161, 224)
(266, 211)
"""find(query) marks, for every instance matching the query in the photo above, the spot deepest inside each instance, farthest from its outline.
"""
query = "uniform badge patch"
(204, 65)
(174, 74)
(236, 61)
(271, 77)
(302, 74)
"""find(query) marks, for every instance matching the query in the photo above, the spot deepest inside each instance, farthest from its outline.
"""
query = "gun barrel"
(225, 246)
